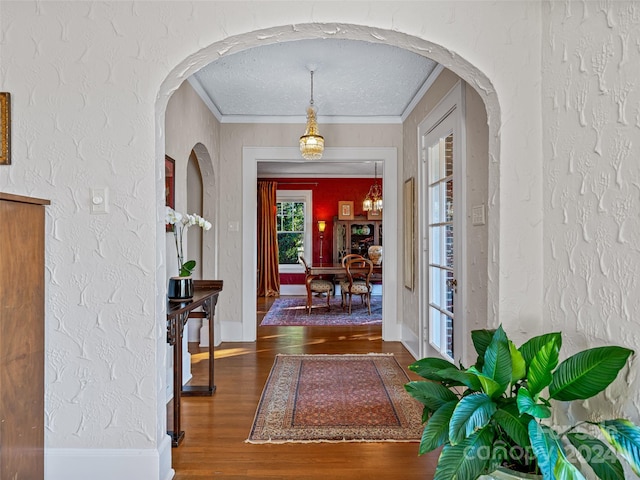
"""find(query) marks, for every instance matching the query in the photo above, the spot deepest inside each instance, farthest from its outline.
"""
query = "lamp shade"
(321, 226)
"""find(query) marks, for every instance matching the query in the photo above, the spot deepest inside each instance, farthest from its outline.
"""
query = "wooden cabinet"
(355, 236)
(22, 337)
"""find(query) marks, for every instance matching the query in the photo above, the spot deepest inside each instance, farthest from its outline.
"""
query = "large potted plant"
(493, 418)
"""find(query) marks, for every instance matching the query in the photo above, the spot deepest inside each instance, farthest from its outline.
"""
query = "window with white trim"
(293, 220)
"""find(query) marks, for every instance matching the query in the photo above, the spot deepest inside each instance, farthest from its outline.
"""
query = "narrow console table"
(206, 296)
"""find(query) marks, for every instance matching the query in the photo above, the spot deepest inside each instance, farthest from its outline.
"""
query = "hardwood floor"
(216, 427)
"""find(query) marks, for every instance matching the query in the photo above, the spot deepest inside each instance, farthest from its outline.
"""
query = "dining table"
(337, 269)
(333, 269)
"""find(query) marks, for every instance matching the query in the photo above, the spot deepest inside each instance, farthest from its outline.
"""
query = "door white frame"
(391, 320)
(453, 103)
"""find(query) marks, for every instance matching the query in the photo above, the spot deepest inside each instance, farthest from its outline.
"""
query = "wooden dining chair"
(315, 284)
(338, 279)
(358, 282)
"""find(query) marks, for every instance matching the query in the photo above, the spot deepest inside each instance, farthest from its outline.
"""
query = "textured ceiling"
(354, 82)
(351, 79)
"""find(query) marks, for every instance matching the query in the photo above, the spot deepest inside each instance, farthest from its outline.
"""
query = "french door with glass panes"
(440, 187)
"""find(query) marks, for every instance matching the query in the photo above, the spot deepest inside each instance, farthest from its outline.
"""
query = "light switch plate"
(477, 215)
(99, 200)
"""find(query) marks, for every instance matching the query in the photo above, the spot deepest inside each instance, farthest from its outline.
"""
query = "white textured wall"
(90, 84)
(591, 105)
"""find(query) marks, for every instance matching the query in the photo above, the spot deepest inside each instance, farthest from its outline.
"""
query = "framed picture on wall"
(345, 210)
(409, 232)
(5, 128)
(169, 184)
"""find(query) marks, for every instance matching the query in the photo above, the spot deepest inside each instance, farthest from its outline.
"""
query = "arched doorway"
(235, 305)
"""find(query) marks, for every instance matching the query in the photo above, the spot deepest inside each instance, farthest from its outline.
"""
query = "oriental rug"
(291, 311)
(336, 398)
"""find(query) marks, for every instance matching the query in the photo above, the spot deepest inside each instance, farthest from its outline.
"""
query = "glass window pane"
(448, 245)
(290, 222)
(450, 291)
(448, 155)
(435, 285)
(289, 247)
(435, 213)
(448, 327)
(436, 327)
(449, 201)
(435, 242)
(434, 162)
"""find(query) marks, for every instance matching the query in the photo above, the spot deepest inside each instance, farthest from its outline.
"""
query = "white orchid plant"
(179, 223)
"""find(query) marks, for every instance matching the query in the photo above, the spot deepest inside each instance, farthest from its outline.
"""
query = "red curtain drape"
(268, 275)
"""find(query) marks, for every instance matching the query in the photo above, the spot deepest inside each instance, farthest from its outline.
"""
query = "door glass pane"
(448, 155)
(436, 210)
(448, 201)
(434, 162)
(435, 330)
(442, 286)
(436, 286)
(435, 244)
(448, 242)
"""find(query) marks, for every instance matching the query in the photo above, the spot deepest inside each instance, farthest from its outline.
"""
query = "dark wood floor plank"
(216, 427)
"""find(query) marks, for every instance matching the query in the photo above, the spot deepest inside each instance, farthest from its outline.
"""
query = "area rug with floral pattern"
(336, 398)
(291, 311)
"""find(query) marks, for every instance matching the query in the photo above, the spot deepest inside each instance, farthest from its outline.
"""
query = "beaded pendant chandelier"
(311, 143)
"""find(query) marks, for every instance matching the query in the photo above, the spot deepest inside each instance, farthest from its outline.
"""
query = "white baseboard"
(411, 342)
(292, 290)
(109, 463)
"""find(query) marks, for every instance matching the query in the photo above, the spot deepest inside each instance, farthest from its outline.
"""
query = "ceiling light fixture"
(373, 200)
(311, 143)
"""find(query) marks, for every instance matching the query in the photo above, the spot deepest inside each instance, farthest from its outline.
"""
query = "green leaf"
(472, 413)
(533, 345)
(187, 268)
(526, 404)
(481, 340)
(546, 447)
(490, 387)
(466, 460)
(624, 436)
(598, 455)
(431, 394)
(519, 368)
(497, 360)
(587, 373)
(428, 367)
(514, 424)
(565, 470)
(464, 378)
(541, 367)
(436, 431)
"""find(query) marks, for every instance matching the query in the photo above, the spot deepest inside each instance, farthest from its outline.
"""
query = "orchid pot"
(180, 287)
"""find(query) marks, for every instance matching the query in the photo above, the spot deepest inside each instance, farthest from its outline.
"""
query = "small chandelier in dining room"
(373, 200)
(311, 143)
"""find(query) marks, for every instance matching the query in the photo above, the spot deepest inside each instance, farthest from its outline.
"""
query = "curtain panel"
(268, 275)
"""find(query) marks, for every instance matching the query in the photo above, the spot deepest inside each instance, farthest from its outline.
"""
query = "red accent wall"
(326, 195)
